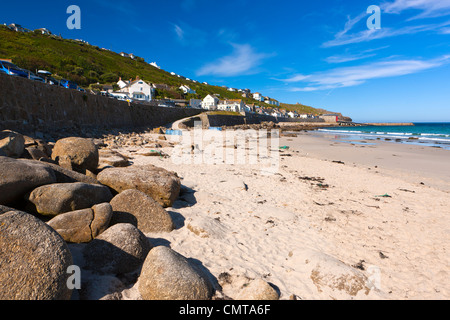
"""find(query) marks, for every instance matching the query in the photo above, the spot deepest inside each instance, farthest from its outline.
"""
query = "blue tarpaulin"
(174, 132)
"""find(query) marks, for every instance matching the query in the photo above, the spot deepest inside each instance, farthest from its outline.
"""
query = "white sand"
(305, 239)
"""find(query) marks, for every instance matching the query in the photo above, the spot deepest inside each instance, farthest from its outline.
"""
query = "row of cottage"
(139, 90)
(142, 91)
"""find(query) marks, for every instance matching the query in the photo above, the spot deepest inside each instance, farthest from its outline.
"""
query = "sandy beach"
(337, 221)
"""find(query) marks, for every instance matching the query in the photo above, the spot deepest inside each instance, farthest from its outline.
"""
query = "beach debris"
(360, 265)
(384, 196)
(338, 162)
(284, 148)
(382, 255)
(406, 190)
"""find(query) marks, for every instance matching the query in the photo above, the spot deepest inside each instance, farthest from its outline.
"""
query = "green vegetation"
(88, 65)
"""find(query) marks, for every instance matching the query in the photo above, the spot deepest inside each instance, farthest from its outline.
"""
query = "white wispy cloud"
(243, 61)
(347, 57)
(357, 75)
(369, 35)
(188, 35)
(179, 32)
(429, 8)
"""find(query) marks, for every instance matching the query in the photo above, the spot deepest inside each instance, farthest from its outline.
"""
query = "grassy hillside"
(87, 64)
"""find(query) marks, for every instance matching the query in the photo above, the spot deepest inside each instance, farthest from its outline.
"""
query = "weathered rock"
(12, 143)
(54, 199)
(135, 207)
(122, 248)
(74, 227)
(103, 213)
(258, 290)
(82, 226)
(34, 259)
(113, 158)
(36, 153)
(4, 209)
(68, 176)
(21, 176)
(77, 154)
(206, 227)
(160, 184)
(167, 275)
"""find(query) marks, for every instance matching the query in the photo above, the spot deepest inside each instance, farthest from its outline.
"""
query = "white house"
(257, 96)
(291, 114)
(137, 89)
(272, 102)
(231, 105)
(155, 65)
(44, 31)
(17, 28)
(210, 102)
(122, 84)
(186, 89)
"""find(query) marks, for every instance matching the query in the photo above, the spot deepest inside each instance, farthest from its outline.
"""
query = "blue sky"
(320, 53)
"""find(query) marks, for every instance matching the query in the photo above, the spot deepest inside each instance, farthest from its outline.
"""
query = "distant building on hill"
(17, 27)
(272, 102)
(258, 97)
(155, 65)
(187, 90)
(44, 31)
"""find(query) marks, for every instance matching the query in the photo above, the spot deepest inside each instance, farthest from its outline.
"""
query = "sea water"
(428, 134)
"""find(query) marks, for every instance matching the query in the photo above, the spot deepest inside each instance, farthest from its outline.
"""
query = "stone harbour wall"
(28, 106)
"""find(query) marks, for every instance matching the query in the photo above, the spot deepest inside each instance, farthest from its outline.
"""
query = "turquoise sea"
(429, 134)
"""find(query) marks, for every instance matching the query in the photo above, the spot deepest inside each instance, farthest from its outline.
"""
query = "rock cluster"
(53, 196)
